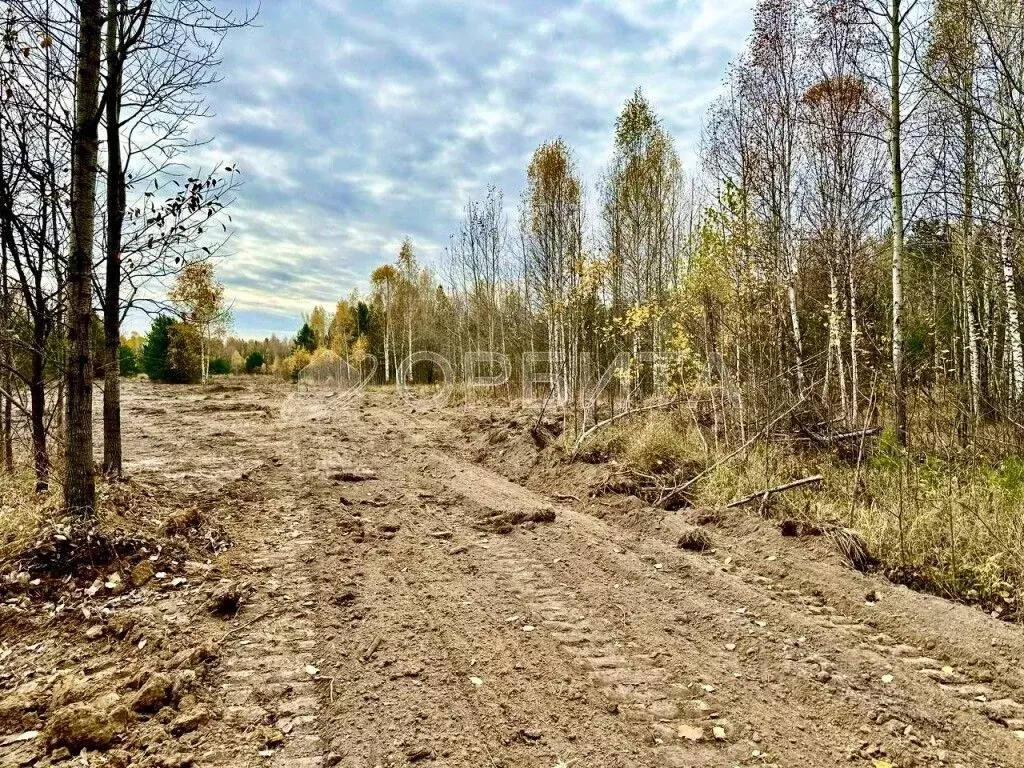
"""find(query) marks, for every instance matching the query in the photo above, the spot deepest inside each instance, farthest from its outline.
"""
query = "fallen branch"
(764, 431)
(857, 433)
(767, 492)
(828, 440)
(374, 646)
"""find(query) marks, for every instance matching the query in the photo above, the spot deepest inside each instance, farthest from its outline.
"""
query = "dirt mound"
(236, 407)
(219, 387)
(498, 521)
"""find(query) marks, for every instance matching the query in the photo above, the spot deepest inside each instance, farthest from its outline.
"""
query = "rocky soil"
(295, 579)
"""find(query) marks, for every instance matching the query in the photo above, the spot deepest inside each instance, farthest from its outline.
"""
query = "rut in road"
(390, 624)
(580, 640)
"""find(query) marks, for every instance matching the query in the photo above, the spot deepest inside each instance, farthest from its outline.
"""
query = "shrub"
(290, 366)
(154, 353)
(184, 355)
(254, 362)
(129, 361)
(220, 366)
(661, 446)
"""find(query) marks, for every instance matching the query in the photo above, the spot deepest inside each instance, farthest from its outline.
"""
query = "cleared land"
(373, 583)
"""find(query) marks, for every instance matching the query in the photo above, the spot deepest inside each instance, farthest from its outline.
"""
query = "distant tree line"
(852, 241)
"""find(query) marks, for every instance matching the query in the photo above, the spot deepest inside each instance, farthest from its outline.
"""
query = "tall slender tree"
(79, 482)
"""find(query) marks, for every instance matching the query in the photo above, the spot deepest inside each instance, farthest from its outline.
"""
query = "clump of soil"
(226, 599)
(235, 407)
(505, 521)
(798, 528)
(129, 541)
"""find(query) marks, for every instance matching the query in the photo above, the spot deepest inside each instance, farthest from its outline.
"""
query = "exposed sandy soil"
(407, 599)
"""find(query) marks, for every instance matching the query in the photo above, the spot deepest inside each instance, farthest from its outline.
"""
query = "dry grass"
(23, 514)
(659, 444)
(951, 525)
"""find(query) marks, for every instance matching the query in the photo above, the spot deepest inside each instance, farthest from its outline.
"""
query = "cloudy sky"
(358, 122)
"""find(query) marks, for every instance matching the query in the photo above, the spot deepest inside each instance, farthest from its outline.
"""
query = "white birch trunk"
(1012, 314)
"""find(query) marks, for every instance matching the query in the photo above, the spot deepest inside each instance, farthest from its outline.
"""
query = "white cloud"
(356, 123)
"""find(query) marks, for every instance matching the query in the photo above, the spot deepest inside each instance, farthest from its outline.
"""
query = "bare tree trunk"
(896, 157)
(37, 398)
(852, 307)
(112, 461)
(792, 272)
(835, 352)
(8, 436)
(6, 366)
(80, 484)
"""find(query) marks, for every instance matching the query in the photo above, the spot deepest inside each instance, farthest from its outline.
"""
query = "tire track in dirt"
(267, 699)
(947, 737)
(637, 688)
(269, 690)
(436, 624)
(388, 588)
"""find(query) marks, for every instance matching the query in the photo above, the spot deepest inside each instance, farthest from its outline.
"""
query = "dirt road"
(390, 623)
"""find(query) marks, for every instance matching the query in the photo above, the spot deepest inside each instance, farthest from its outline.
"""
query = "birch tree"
(200, 302)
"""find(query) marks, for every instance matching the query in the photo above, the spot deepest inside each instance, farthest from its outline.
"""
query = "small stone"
(417, 753)
(694, 540)
(190, 721)
(94, 632)
(226, 599)
(191, 657)
(690, 732)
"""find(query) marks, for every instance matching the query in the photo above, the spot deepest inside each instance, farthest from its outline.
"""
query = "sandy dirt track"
(390, 623)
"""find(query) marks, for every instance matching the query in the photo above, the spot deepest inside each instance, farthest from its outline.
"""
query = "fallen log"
(764, 495)
(828, 440)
